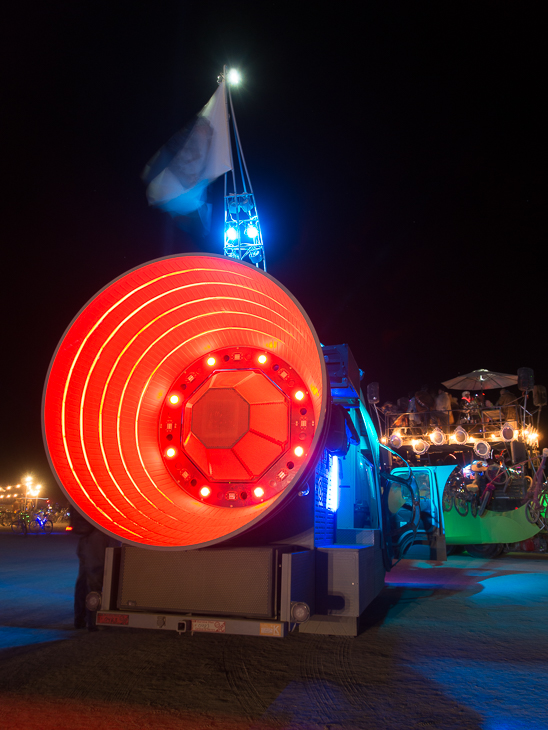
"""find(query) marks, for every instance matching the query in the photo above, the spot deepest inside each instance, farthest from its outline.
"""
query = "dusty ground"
(458, 645)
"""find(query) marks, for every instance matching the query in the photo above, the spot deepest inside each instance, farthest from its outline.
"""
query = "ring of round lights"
(116, 380)
(235, 427)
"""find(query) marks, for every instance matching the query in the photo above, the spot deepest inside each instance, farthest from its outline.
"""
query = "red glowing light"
(262, 359)
(298, 451)
(236, 425)
(299, 395)
(107, 386)
(258, 492)
(211, 361)
(174, 399)
(205, 491)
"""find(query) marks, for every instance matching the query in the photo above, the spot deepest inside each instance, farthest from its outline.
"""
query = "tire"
(532, 512)
(461, 506)
(447, 501)
(474, 507)
(48, 527)
(453, 549)
(34, 527)
(484, 503)
(19, 527)
(489, 551)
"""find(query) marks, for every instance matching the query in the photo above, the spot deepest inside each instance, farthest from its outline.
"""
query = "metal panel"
(297, 582)
(235, 581)
(347, 579)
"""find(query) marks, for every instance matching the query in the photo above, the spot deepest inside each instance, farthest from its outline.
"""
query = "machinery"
(191, 413)
(484, 472)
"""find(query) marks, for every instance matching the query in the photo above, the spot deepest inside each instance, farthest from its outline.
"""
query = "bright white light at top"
(234, 76)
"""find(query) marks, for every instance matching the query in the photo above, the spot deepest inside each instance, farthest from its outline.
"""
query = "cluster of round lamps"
(460, 437)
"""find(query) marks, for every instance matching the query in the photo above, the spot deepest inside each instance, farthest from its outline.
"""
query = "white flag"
(180, 172)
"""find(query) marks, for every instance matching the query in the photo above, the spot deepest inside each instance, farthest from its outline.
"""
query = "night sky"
(396, 150)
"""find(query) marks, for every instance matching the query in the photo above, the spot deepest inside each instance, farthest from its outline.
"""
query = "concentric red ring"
(120, 356)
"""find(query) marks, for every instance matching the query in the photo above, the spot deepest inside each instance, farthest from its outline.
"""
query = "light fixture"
(300, 612)
(507, 432)
(211, 361)
(420, 446)
(395, 440)
(251, 231)
(174, 399)
(298, 451)
(255, 255)
(170, 453)
(482, 448)
(231, 233)
(299, 395)
(460, 435)
(258, 492)
(234, 76)
(437, 437)
(205, 491)
(262, 359)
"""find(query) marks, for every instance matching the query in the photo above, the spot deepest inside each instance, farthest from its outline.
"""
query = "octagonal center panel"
(236, 425)
(220, 418)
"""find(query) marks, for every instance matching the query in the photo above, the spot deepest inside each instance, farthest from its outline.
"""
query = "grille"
(236, 582)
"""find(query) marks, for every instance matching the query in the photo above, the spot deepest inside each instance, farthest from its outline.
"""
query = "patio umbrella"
(481, 380)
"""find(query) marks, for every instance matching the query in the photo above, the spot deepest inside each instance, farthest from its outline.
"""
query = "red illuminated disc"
(234, 423)
(117, 379)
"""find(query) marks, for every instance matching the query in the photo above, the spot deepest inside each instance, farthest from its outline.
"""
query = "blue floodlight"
(255, 255)
(231, 233)
(251, 231)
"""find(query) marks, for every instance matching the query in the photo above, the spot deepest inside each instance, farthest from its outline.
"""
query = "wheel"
(447, 501)
(532, 513)
(34, 526)
(484, 502)
(491, 550)
(19, 527)
(461, 505)
(453, 549)
(48, 527)
(474, 507)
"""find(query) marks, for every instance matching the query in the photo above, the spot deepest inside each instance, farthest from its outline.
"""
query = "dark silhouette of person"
(91, 548)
